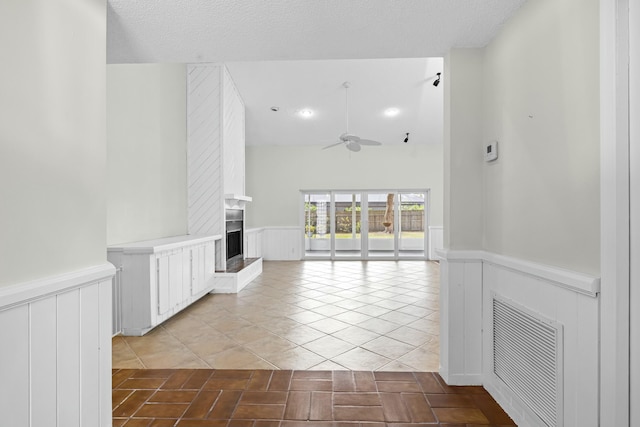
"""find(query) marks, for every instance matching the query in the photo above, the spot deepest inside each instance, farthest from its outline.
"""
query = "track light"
(437, 81)
(407, 138)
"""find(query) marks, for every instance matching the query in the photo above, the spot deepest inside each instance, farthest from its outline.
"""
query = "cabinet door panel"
(209, 263)
(186, 276)
(196, 270)
(175, 278)
(162, 269)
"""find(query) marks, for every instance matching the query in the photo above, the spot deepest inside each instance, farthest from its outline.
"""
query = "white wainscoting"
(436, 240)
(461, 318)
(55, 358)
(566, 297)
(282, 243)
(253, 242)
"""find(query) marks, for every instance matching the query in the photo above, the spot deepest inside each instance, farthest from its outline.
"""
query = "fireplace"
(234, 237)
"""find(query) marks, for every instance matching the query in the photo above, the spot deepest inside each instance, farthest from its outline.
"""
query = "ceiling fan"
(349, 140)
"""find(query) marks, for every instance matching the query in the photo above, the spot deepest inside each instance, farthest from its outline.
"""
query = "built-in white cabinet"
(158, 278)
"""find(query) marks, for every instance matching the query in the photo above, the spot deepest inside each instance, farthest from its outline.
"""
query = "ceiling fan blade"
(353, 146)
(333, 145)
(368, 142)
(347, 137)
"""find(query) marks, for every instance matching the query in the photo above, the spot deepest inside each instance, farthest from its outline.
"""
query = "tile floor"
(284, 398)
(319, 315)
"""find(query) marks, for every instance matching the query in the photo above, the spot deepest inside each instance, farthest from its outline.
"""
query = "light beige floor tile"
(349, 304)
(250, 334)
(328, 325)
(388, 347)
(308, 303)
(400, 318)
(302, 334)
(206, 346)
(352, 317)
(270, 345)
(173, 358)
(329, 365)
(372, 310)
(390, 304)
(123, 355)
(329, 346)
(229, 324)
(410, 335)
(426, 325)
(355, 335)
(306, 317)
(395, 366)
(421, 360)
(414, 310)
(296, 358)
(156, 341)
(236, 358)
(329, 310)
(378, 325)
(397, 302)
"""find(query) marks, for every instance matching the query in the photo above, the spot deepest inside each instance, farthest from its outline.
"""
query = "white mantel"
(236, 201)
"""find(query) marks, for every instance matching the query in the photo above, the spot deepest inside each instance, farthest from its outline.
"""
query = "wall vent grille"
(527, 358)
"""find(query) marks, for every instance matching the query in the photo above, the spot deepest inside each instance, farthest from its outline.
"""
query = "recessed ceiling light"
(274, 108)
(306, 113)
(391, 112)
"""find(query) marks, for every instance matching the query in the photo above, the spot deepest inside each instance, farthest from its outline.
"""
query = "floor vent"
(527, 358)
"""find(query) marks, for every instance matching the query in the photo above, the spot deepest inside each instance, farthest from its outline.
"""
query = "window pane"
(317, 229)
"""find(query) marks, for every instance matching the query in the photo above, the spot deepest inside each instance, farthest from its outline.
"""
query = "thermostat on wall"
(491, 151)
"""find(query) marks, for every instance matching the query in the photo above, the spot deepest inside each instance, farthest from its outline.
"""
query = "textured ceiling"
(250, 30)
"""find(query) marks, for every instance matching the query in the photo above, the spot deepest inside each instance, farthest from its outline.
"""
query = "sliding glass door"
(317, 227)
(412, 235)
(347, 225)
(387, 224)
(381, 225)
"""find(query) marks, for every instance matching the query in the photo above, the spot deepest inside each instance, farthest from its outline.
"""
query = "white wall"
(539, 99)
(55, 298)
(146, 152)
(276, 174)
(463, 149)
(52, 137)
(541, 93)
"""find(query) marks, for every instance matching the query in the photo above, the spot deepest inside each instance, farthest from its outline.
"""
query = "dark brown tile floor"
(269, 398)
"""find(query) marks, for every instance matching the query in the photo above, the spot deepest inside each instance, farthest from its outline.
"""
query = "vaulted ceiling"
(295, 54)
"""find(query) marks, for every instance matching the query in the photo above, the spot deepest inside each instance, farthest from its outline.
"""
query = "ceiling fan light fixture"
(350, 141)
(391, 112)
